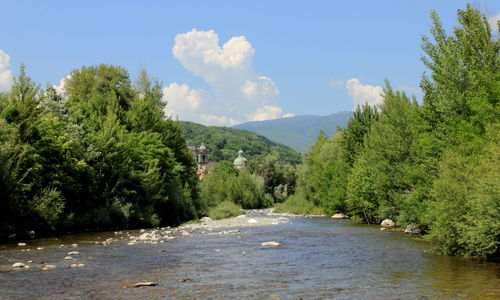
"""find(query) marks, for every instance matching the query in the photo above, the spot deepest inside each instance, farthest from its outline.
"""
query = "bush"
(297, 204)
(226, 209)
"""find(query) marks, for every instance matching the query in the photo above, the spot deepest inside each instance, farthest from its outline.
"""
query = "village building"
(240, 162)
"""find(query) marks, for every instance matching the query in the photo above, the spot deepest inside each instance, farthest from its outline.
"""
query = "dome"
(240, 162)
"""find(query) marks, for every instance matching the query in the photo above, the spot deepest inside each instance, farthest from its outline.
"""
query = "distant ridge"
(300, 131)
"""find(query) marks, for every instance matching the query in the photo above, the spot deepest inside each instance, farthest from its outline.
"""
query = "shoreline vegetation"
(431, 165)
(100, 155)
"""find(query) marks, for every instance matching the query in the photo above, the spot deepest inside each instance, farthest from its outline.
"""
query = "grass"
(226, 209)
(298, 205)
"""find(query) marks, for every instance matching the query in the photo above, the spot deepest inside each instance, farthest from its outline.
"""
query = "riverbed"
(317, 258)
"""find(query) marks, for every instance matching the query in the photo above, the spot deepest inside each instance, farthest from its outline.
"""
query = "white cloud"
(266, 113)
(493, 20)
(5, 72)
(62, 84)
(288, 115)
(237, 94)
(361, 93)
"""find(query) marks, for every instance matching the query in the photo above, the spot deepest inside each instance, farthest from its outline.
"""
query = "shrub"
(226, 209)
(297, 204)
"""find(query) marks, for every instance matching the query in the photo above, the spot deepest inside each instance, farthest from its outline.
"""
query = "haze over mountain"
(298, 132)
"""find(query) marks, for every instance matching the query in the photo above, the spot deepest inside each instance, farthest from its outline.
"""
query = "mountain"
(298, 132)
(224, 143)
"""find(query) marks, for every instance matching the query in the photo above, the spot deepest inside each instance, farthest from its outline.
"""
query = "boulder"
(69, 258)
(21, 244)
(270, 244)
(388, 223)
(413, 229)
(383, 229)
(340, 216)
(253, 221)
(30, 234)
(73, 253)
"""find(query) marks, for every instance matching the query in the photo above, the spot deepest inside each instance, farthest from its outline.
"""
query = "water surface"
(318, 258)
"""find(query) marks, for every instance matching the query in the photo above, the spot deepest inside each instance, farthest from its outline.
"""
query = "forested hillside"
(297, 132)
(224, 143)
(99, 156)
(434, 164)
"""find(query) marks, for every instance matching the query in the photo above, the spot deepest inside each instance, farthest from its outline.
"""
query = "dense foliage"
(434, 164)
(224, 143)
(100, 155)
(259, 185)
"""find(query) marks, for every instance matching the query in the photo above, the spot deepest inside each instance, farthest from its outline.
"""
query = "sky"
(228, 62)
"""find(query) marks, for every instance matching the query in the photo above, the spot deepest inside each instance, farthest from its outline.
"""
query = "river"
(318, 258)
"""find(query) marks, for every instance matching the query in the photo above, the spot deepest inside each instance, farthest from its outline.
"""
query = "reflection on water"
(318, 258)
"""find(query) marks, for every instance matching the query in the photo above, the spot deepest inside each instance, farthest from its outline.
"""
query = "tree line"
(100, 155)
(435, 163)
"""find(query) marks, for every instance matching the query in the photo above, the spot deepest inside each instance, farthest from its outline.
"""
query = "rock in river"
(412, 229)
(18, 265)
(340, 216)
(270, 244)
(48, 267)
(388, 223)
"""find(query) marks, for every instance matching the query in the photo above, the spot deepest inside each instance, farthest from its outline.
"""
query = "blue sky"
(281, 58)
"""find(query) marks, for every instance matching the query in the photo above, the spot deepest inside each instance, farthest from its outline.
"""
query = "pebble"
(272, 244)
(77, 265)
(39, 248)
(74, 245)
(69, 258)
(48, 267)
(18, 265)
(21, 244)
(73, 253)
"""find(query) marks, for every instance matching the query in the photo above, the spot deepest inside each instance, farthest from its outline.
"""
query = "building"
(201, 157)
(240, 162)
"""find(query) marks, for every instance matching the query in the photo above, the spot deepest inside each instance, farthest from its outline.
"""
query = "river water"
(318, 258)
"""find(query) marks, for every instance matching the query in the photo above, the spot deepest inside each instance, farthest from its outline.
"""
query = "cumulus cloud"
(238, 93)
(494, 21)
(5, 72)
(361, 93)
(62, 84)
